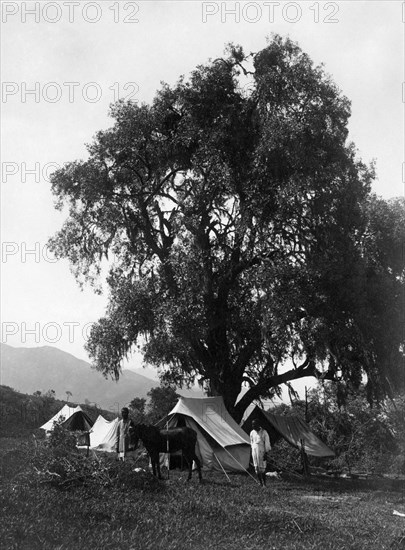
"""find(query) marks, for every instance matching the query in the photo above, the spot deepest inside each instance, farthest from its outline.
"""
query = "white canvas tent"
(221, 442)
(103, 435)
(291, 428)
(65, 413)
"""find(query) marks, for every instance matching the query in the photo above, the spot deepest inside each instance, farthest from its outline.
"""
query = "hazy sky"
(65, 62)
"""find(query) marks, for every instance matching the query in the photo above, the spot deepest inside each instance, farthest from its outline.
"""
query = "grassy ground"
(139, 512)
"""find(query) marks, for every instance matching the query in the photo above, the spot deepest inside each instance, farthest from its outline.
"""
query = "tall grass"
(132, 510)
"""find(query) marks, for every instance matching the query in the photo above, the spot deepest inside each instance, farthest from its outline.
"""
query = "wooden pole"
(304, 459)
(306, 404)
(167, 449)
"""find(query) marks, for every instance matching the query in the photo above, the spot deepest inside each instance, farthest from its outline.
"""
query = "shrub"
(57, 461)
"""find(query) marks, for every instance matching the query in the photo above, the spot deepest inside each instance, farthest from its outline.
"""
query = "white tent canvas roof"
(103, 435)
(65, 413)
(221, 442)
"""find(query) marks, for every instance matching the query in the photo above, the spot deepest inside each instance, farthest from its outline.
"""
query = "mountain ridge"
(43, 368)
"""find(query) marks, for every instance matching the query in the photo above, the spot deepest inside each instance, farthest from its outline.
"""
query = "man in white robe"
(124, 442)
(260, 444)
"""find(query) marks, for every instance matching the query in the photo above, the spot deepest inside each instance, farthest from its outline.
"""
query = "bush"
(61, 438)
(57, 461)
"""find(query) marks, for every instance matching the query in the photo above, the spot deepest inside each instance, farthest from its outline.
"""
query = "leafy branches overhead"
(240, 227)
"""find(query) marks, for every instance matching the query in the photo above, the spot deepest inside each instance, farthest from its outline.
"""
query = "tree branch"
(307, 368)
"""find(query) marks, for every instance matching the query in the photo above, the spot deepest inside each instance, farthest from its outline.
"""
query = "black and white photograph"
(202, 275)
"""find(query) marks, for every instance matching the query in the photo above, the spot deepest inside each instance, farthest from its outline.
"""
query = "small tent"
(103, 435)
(71, 418)
(292, 428)
(221, 442)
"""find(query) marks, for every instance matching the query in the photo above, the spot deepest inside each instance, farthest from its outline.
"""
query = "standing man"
(124, 444)
(260, 444)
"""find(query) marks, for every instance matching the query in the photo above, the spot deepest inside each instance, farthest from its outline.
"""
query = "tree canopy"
(245, 246)
(162, 399)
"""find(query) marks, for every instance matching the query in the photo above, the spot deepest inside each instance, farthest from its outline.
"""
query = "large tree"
(233, 212)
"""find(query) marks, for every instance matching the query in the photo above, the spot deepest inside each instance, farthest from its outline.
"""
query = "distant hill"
(43, 368)
(49, 368)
